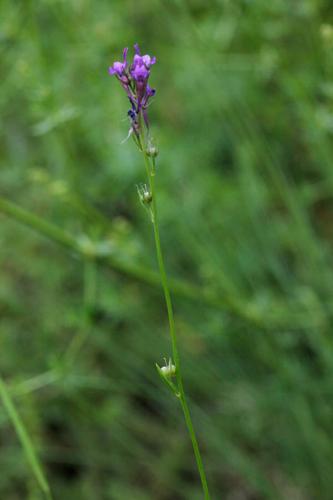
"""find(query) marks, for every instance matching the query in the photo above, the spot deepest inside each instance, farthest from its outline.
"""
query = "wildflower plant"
(134, 77)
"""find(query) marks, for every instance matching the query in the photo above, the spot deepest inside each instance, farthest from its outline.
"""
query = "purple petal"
(137, 60)
(148, 61)
(117, 68)
(140, 72)
(137, 49)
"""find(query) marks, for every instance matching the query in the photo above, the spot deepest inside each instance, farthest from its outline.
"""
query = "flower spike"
(134, 80)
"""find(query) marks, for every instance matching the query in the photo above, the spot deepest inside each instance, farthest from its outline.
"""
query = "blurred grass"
(243, 118)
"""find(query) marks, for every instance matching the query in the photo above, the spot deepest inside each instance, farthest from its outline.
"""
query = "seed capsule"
(152, 151)
(147, 197)
(169, 370)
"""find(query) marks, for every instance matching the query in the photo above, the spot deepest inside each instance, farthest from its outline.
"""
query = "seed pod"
(169, 370)
(147, 197)
(152, 151)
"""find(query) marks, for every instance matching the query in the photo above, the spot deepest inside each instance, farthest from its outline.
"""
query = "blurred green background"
(243, 117)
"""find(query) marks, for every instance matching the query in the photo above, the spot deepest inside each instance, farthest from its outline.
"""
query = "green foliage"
(243, 118)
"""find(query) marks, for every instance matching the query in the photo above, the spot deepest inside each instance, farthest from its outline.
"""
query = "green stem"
(25, 440)
(150, 169)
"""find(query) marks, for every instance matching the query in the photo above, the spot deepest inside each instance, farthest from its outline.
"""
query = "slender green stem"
(25, 440)
(150, 169)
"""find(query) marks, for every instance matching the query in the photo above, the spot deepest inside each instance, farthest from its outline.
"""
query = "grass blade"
(25, 440)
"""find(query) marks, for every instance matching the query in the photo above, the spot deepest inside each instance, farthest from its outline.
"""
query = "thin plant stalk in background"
(25, 440)
(134, 80)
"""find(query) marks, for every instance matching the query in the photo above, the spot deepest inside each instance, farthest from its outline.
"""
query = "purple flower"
(141, 65)
(119, 68)
(140, 72)
(134, 80)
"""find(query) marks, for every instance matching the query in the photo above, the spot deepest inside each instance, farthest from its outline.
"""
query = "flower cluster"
(134, 80)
